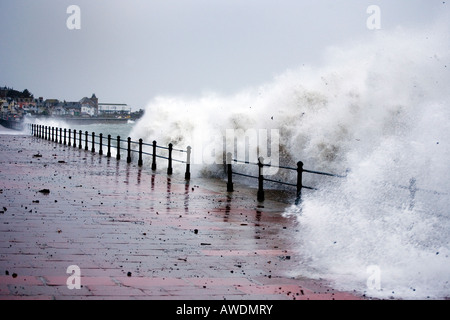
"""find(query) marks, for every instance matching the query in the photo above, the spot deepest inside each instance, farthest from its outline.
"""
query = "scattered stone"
(196, 231)
(44, 191)
(14, 275)
(38, 155)
(129, 274)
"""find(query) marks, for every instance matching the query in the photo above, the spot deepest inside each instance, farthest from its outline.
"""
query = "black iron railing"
(79, 139)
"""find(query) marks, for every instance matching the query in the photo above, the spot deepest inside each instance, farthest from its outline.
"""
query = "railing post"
(65, 136)
(260, 179)
(129, 150)
(140, 162)
(169, 168)
(412, 193)
(299, 182)
(108, 154)
(80, 143)
(53, 134)
(230, 173)
(93, 142)
(100, 150)
(118, 148)
(74, 138)
(86, 148)
(187, 175)
(60, 136)
(70, 137)
(154, 156)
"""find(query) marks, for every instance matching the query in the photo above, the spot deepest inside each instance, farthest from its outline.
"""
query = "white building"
(106, 109)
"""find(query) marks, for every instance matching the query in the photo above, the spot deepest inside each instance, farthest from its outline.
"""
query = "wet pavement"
(137, 234)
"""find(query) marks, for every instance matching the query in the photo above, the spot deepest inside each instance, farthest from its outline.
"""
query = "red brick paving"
(136, 234)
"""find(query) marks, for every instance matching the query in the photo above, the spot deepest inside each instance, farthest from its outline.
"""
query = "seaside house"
(59, 110)
(4, 106)
(89, 106)
(114, 109)
(25, 102)
(51, 103)
(72, 109)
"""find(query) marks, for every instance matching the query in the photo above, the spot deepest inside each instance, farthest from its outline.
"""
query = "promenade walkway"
(135, 234)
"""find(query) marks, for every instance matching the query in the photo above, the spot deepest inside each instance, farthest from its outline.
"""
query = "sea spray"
(378, 108)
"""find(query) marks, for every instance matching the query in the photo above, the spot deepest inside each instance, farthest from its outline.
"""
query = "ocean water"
(378, 108)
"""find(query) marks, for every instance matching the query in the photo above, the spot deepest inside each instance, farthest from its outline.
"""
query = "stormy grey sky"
(131, 51)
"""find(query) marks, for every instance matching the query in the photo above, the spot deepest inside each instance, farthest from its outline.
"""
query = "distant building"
(25, 102)
(110, 109)
(51, 103)
(3, 105)
(89, 106)
(18, 103)
(73, 109)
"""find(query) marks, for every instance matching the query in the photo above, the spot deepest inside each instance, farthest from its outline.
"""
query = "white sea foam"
(380, 107)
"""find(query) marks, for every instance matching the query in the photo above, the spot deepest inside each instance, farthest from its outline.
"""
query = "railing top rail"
(290, 168)
(122, 139)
